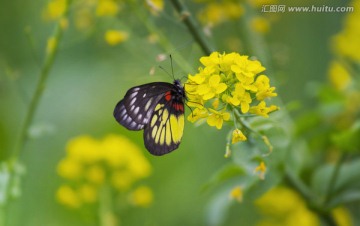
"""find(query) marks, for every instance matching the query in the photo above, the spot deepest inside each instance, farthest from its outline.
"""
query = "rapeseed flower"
(228, 83)
(91, 164)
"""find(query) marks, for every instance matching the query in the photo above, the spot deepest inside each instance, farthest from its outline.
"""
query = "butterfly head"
(179, 89)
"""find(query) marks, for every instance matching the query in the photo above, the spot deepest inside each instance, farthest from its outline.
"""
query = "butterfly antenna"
(166, 71)
(172, 68)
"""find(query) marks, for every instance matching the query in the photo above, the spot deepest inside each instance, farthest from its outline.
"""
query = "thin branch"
(192, 26)
(40, 87)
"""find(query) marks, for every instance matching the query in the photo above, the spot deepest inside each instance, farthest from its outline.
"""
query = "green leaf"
(4, 182)
(347, 181)
(229, 171)
(348, 140)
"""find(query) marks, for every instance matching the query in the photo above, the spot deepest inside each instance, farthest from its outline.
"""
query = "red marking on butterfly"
(168, 96)
(178, 107)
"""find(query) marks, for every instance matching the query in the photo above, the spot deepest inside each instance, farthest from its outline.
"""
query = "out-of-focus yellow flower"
(261, 170)
(342, 216)
(88, 193)
(215, 13)
(54, 9)
(237, 194)
(92, 164)
(84, 18)
(142, 196)
(95, 174)
(107, 8)
(114, 37)
(217, 118)
(339, 76)
(51, 45)
(237, 136)
(260, 25)
(68, 197)
(155, 6)
(286, 207)
(69, 169)
(346, 43)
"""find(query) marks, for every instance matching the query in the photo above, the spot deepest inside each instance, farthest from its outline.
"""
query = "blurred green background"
(89, 77)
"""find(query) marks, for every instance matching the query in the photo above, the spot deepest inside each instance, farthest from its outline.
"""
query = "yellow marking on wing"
(162, 136)
(153, 132)
(177, 127)
(168, 134)
(165, 115)
(159, 106)
(157, 137)
(153, 120)
(181, 121)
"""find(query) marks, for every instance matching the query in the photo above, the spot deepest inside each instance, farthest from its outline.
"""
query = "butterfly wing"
(164, 131)
(135, 110)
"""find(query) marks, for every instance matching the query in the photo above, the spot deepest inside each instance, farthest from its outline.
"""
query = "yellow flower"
(95, 174)
(68, 197)
(51, 45)
(218, 12)
(261, 170)
(262, 110)
(339, 77)
(287, 207)
(217, 118)
(122, 180)
(225, 84)
(70, 169)
(142, 196)
(107, 8)
(88, 193)
(155, 6)
(244, 66)
(91, 164)
(212, 88)
(114, 37)
(264, 90)
(240, 97)
(342, 216)
(55, 9)
(237, 193)
(198, 113)
(237, 136)
(260, 25)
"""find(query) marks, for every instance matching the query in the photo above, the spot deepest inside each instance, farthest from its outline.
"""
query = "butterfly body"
(158, 109)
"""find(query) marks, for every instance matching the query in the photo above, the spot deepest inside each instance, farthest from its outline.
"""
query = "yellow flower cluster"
(215, 12)
(346, 43)
(283, 207)
(227, 83)
(91, 164)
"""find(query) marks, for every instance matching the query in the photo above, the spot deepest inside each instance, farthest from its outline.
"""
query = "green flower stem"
(19, 146)
(40, 87)
(192, 26)
(106, 214)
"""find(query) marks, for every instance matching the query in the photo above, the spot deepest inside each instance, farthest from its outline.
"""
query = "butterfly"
(158, 109)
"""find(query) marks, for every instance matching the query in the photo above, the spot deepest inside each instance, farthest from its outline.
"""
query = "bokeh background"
(90, 75)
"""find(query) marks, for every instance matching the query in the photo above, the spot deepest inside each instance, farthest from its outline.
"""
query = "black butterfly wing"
(164, 131)
(135, 110)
